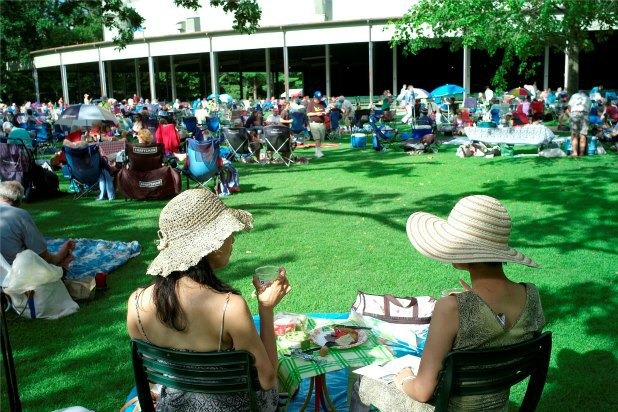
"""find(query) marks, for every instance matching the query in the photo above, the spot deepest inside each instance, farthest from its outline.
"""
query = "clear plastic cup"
(265, 275)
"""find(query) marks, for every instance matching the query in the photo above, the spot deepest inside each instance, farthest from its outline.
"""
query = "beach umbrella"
(519, 91)
(213, 95)
(446, 90)
(226, 98)
(420, 93)
(85, 115)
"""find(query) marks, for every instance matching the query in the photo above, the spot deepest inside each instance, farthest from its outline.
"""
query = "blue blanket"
(95, 255)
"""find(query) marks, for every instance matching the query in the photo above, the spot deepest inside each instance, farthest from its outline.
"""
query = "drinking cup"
(265, 275)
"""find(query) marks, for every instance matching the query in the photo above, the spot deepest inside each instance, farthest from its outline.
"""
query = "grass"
(338, 225)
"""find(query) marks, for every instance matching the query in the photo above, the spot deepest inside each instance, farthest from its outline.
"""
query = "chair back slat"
(486, 371)
(230, 372)
(237, 138)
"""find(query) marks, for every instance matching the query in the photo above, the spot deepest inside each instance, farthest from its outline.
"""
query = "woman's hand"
(405, 375)
(270, 296)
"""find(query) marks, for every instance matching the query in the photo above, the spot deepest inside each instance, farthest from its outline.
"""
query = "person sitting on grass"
(18, 231)
(189, 307)
(490, 312)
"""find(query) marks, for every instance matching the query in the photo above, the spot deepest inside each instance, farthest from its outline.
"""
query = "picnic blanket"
(96, 255)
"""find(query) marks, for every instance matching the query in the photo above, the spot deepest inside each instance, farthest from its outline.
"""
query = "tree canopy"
(26, 26)
(516, 30)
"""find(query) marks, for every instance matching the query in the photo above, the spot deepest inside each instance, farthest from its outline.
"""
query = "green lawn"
(338, 225)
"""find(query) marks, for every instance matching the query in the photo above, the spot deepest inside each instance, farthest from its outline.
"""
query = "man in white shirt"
(579, 122)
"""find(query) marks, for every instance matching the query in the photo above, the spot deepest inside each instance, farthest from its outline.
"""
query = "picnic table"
(292, 369)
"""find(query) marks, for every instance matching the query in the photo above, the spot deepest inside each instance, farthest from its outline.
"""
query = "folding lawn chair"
(334, 133)
(146, 178)
(237, 139)
(84, 167)
(213, 124)
(298, 128)
(382, 136)
(190, 123)
(203, 163)
(279, 142)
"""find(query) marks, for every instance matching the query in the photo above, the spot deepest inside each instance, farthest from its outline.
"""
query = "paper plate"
(318, 336)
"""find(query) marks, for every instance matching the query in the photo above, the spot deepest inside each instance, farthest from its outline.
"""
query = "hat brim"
(187, 251)
(436, 239)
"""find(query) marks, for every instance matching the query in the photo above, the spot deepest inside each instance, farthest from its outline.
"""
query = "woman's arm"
(442, 332)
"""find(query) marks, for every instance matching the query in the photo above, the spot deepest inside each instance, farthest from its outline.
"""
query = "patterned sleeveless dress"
(479, 327)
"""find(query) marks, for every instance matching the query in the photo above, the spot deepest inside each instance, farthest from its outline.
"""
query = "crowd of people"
(189, 306)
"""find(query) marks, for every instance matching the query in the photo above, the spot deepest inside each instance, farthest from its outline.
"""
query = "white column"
(327, 68)
(566, 69)
(214, 70)
(138, 84)
(151, 76)
(64, 81)
(267, 74)
(102, 80)
(286, 68)
(35, 76)
(173, 78)
(395, 88)
(546, 69)
(467, 55)
(370, 69)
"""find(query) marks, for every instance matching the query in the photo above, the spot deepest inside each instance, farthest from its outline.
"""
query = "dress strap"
(139, 321)
(227, 300)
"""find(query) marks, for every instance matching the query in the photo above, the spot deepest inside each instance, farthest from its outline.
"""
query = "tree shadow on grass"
(595, 302)
(589, 378)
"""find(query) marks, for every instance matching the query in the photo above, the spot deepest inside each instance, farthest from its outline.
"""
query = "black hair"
(165, 297)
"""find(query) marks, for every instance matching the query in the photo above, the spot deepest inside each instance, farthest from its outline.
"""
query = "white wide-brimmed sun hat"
(191, 226)
(477, 230)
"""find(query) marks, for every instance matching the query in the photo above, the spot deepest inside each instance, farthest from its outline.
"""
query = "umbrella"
(420, 93)
(226, 98)
(212, 96)
(446, 90)
(519, 91)
(85, 115)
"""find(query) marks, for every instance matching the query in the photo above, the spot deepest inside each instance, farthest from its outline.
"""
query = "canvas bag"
(30, 272)
(404, 321)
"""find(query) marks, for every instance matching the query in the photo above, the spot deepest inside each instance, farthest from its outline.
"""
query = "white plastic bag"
(50, 301)
(30, 270)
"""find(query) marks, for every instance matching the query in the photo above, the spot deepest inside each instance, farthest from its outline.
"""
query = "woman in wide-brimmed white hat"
(491, 311)
(189, 308)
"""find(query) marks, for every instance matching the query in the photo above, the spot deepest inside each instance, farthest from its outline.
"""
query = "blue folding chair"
(334, 133)
(84, 167)
(213, 124)
(190, 123)
(382, 136)
(298, 127)
(203, 162)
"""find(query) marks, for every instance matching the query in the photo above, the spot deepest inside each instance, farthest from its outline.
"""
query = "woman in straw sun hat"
(491, 311)
(188, 307)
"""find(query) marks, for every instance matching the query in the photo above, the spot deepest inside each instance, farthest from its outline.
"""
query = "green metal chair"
(486, 371)
(230, 372)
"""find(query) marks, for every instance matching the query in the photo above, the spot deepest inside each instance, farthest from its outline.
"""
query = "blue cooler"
(358, 140)
(591, 145)
(567, 145)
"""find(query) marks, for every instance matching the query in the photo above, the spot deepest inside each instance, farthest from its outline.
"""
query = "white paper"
(386, 372)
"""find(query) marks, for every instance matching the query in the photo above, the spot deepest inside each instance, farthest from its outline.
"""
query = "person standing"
(316, 112)
(347, 112)
(579, 122)
(409, 100)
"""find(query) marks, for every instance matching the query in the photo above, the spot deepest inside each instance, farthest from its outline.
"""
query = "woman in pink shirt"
(168, 135)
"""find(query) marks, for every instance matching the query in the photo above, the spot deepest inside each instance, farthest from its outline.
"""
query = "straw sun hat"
(477, 230)
(192, 225)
